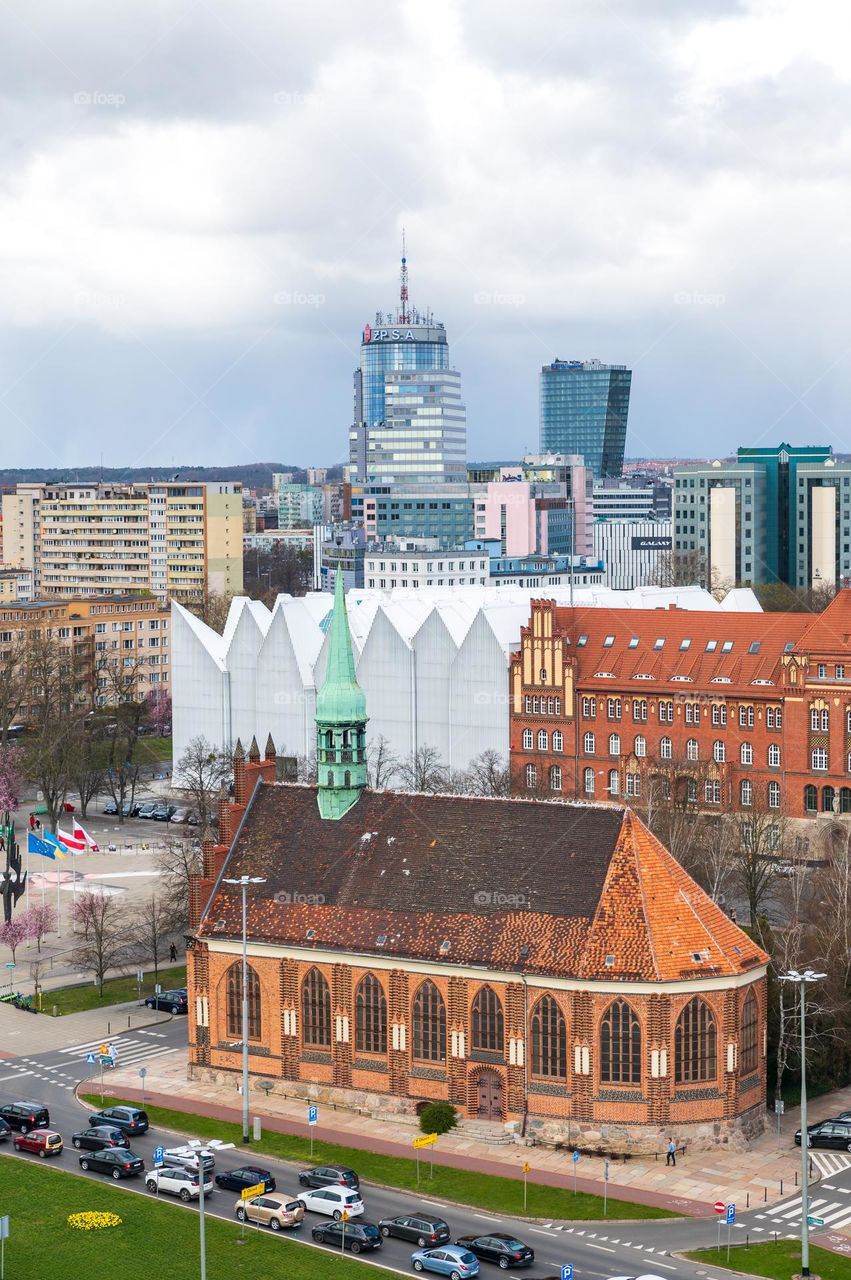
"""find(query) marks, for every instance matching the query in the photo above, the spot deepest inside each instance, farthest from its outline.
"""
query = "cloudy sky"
(201, 204)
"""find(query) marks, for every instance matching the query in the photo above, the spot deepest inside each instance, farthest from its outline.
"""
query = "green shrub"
(438, 1117)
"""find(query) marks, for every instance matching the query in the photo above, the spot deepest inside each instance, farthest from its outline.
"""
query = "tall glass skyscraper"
(583, 409)
(409, 422)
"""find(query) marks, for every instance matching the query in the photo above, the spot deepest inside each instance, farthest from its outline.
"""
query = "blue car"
(448, 1260)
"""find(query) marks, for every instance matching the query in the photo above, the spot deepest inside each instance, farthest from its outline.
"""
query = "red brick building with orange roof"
(549, 967)
(727, 712)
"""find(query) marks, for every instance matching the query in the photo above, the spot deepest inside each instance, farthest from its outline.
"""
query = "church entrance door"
(490, 1096)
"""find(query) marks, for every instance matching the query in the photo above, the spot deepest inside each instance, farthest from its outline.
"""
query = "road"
(596, 1249)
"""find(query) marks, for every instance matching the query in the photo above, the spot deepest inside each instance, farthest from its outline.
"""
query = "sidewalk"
(761, 1175)
(26, 1033)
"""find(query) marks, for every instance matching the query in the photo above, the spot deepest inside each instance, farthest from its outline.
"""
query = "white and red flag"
(74, 842)
(80, 833)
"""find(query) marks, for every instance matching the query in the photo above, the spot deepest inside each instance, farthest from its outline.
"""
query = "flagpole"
(28, 874)
(58, 908)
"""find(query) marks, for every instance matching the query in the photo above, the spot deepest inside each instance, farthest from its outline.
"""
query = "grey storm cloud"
(201, 205)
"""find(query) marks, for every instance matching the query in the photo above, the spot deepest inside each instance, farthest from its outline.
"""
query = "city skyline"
(196, 231)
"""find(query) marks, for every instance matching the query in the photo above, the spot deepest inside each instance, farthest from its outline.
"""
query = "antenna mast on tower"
(404, 316)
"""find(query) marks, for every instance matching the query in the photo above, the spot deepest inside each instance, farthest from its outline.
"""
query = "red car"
(44, 1142)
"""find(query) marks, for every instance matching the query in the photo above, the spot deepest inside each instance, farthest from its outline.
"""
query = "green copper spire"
(340, 720)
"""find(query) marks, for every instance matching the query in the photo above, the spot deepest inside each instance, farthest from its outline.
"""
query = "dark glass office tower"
(584, 408)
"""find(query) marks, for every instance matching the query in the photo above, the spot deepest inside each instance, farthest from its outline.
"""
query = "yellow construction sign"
(250, 1192)
(427, 1141)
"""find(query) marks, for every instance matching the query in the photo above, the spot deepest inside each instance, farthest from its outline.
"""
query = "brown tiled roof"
(673, 668)
(830, 631)
(499, 884)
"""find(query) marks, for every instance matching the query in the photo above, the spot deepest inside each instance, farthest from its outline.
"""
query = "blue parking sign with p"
(576, 1157)
(567, 1271)
(312, 1115)
(159, 1156)
(731, 1214)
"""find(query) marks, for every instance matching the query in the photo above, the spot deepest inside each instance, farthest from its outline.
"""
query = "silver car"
(187, 1158)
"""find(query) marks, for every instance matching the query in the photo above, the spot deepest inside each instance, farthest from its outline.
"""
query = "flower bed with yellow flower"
(91, 1221)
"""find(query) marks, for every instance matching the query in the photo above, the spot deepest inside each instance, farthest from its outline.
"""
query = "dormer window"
(608, 642)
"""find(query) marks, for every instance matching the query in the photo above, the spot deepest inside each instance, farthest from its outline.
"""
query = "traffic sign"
(779, 1106)
(576, 1157)
(720, 1206)
(567, 1271)
(159, 1157)
(250, 1192)
(814, 1222)
(90, 1058)
(427, 1141)
(344, 1216)
(731, 1214)
(143, 1071)
(10, 964)
(104, 1048)
(527, 1168)
(312, 1115)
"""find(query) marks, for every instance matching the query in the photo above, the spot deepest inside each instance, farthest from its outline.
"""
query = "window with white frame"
(543, 739)
(745, 717)
(531, 776)
(666, 749)
(719, 714)
(639, 710)
(774, 795)
(692, 749)
(774, 756)
(666, 712)
(589, 708)
(590, 744)
(746, 753)
(555, 777)
(640, 745)
(633, 784)
(719, 752)
(558, 740)
(614, 782)
(589, 778)
(712, 792)
(613, 708)
(528, 740)
(819, 758)
(746, 792)
(614, 744)
(527, 704)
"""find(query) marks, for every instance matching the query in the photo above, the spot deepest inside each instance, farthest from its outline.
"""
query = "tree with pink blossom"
(158, 710)
(40, 920)
(13, 932)
(10, 780)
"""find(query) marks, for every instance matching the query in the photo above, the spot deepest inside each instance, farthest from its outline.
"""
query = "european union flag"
(35, 844)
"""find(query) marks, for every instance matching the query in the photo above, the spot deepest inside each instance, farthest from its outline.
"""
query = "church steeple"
(340, 720)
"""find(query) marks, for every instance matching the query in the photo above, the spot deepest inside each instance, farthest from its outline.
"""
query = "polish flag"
(73, 842)
(80, 833)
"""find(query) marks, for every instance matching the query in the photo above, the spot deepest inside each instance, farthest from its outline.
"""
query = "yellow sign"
(427, 1141)
(344, 1216)
(104, 1049)
(250, 1192)
(527, 1168)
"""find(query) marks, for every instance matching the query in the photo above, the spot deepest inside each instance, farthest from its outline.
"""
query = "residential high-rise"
(409, 425)
(583, 409)
(777, 514)
(171, 538)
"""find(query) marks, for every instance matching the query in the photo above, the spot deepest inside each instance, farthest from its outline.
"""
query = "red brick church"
(546, 964)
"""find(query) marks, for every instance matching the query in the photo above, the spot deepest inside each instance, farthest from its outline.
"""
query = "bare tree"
(424, 771)
(13, 682)
(200, 773)
(57, 684)
(121, 721)
(86, 764)
(382, 765)
(213, 609)
(178, 861)
(153, 923)
(102, 943)
(758, 834)
(488, 774)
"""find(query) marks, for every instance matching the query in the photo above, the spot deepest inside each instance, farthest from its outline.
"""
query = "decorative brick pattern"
(341, 1006)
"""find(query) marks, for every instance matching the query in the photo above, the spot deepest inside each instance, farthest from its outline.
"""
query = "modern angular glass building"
(583, 409)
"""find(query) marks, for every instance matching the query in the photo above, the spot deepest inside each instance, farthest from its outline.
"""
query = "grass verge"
(154, 750)
(155, 1239)
(481, 1190)
(115, 991)
(778, 1261)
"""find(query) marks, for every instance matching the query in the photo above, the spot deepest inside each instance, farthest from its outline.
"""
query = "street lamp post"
(801, 979)
(192, 1147)
(243, 882)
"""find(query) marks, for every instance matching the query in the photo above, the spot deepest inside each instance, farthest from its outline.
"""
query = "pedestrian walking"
(32, 822)
(38, 824)
(671, 1157)
(172, 955)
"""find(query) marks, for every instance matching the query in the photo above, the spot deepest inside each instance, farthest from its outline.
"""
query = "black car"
(163, 812)
(173, 1001)
(128, 810)
(114, 1161)
(422, 1229)
(5, 1130)
(99, 1137)
(357, 1236)
(505, 1250)
(248, 1176)
(829, 1133)
(330, 1175)
(25, 1116)
(129, 1120)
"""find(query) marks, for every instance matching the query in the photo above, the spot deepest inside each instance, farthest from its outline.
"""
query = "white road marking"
(17, 1076)
(486, 1217)
(603, 1247)
(541, 1231)
(666, 1265)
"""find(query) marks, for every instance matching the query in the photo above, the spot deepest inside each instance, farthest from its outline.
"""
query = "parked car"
(329, 1175)
(195, 821)
(129, 1119)
(421, 1228)
(98, 1137)
(174, 1001)
(146, 810)
(451, 1260)
(177, 1182)
(5, 1130)
(332, 1201)
(23, 1116)
(44, 1142)
(163, 812)
(247, 1176)
(110, 807)
(829, 1133)
(114, 1161)
(275, 1212)
(505, 1250)
(357, 1236)
(179, 815)
(190, 1158)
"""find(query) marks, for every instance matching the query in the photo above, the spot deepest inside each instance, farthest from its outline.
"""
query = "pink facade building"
(531, 509)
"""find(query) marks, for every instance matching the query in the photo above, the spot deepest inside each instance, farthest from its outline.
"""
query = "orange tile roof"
(567, 890)
(830, 631)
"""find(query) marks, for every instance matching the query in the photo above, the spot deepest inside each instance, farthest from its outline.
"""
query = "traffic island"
(776, 1261)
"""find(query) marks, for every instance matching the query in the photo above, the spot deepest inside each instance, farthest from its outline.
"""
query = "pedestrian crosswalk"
(829, 1164)
(835, 1213)
(141, 1048)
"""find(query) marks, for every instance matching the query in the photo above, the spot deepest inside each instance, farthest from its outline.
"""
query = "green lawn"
(153, 750)
(115, 991)
(778, 1261)
(156, 1238)
(499, 1194)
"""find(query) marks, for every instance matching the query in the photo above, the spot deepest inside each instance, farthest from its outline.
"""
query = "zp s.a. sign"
(387, 335)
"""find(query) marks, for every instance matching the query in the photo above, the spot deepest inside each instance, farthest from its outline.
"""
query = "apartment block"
(170, 538)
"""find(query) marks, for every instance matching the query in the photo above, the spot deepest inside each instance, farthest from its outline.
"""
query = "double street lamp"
(194, 1147)
(243, 882)
(802, 980)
